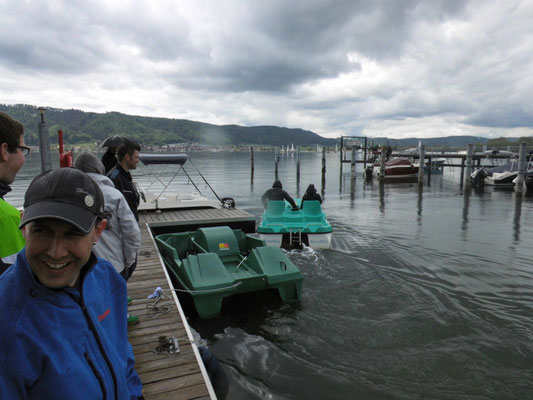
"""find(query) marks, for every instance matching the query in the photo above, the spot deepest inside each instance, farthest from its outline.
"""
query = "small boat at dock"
(283, 226)
(163, 201)
(215, 262)
(502, 176)
(395, 169)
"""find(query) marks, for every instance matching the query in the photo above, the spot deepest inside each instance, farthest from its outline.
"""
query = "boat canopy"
(178, 159)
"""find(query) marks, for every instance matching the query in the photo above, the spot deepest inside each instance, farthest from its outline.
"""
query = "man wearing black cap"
(67, 329)
(277, 193)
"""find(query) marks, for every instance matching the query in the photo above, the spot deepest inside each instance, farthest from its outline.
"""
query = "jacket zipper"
(97, 374)
(92, 328)
(100, 346)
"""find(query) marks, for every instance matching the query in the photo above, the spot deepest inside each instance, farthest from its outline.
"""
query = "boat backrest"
(312, 208)
(218, 239)
(275, 208)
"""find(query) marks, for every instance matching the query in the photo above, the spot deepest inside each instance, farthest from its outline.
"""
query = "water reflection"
(517, 215)
(382, 197)
(352, 187)
(466, 204)
(419, 205)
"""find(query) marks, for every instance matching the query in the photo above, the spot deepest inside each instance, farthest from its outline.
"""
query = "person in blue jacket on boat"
(277, 193)
(311, 194)
(64, 332)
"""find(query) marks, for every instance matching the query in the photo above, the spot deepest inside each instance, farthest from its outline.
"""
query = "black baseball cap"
(66, 194)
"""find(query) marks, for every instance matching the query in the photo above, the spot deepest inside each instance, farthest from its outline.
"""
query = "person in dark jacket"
(64, 334)
(128, 158)
(277, 193)
(109, 159)
(311, 194)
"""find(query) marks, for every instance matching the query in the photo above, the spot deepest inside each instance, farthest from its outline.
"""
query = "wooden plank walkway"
(183, 375)
(179, 376)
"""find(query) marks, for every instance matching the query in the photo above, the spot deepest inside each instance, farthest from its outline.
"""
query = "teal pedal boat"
(284, 227)
(215, 262)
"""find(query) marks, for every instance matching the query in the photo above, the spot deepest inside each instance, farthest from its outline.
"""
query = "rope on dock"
(234, 286)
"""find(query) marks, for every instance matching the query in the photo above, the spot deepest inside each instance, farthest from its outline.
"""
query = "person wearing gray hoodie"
(121, 239)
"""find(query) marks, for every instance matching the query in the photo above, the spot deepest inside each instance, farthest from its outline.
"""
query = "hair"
(127, 148)
(277, 184)
(87, 162)
(10, 131)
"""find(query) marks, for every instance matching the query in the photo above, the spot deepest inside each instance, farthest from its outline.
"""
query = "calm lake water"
(426, 293)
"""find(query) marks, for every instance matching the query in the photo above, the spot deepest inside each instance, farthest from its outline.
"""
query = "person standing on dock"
(128, 158)
(65, 332)
(277, 193)
(122, 237)
(12, 157)
(311, 194)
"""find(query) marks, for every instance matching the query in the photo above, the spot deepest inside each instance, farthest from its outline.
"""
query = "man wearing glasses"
(12, 153)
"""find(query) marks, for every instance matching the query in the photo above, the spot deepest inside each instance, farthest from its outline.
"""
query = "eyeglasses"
(25, 149)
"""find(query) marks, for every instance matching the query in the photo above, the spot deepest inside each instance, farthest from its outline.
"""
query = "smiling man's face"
(57, 251)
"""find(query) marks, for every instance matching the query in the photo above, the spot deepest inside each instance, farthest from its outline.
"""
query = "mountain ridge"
(81, 127)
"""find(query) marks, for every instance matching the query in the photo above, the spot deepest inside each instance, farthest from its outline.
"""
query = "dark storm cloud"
(285, 44)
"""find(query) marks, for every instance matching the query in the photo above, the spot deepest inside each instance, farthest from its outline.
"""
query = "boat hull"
(319, 241)
(397, 169)
(209, 264)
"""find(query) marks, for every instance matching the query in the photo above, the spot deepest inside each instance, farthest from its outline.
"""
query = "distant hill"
(81, 127)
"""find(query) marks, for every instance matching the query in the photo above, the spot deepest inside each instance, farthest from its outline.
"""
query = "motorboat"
(503, 176)
(395, 169)
(216, 262)
(499, 176)
(153, 200)
(287, 227)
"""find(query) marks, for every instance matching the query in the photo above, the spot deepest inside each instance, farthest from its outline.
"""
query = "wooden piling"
(353, 163)
(365, 155)
(297, 164)
(429, 170)
(422, 154)
(462, 171)
(519, 185)
(323, 163)
(382, 163)
(276, 162)
(469, 154)
(252, 164)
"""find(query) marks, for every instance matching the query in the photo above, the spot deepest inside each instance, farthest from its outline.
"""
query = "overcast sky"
(396, 68)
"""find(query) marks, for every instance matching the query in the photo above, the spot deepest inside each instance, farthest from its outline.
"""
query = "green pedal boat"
(289, 228)
(216, 262)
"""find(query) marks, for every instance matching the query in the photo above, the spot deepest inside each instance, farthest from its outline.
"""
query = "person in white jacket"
(121, 239)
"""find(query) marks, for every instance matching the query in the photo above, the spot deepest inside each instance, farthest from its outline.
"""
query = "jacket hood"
(101, 179)
(277, 184)
(311, 189)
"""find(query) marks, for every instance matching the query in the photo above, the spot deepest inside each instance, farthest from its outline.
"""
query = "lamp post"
(44, 143)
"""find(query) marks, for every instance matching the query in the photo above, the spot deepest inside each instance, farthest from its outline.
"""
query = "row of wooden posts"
(468, 161)
(276, 163)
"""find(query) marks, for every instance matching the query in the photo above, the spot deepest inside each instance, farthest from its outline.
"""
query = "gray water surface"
(426, 293)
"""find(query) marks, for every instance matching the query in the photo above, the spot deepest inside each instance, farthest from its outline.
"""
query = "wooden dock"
(181, 375)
